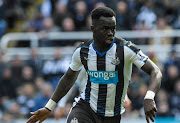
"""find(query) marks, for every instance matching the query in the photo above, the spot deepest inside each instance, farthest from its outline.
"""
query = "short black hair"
(102, 11)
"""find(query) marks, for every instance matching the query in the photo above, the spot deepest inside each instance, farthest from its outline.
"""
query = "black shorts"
(82, 113)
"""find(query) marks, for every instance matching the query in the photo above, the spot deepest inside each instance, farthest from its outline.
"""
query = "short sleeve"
(76, 64)
(139, 59)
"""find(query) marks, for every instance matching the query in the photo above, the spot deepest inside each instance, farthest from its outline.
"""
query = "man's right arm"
(64, 85)
(67, 80)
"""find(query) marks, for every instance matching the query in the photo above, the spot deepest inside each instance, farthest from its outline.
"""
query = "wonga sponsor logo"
(103, 77)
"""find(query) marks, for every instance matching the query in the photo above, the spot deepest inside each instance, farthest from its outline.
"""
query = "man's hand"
(59, 112)
(40, 115)
(150, 109)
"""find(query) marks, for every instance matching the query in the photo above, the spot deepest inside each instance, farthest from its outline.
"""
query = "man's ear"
(92, 28)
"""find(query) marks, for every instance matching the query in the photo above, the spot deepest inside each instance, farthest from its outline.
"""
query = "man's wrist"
(50, 105)
(47, 108)
(150, 95)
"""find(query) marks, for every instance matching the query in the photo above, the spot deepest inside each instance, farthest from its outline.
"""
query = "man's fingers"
(147, 119)
(28, 121)
(34, 113)
(155, 109)
(32, 119)
(153, 113)
(150, 115)
(151, 118)
(150, 110)
(41, 120)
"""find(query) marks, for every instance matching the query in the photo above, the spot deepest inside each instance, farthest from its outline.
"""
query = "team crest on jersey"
(115, 61)
(74, 120)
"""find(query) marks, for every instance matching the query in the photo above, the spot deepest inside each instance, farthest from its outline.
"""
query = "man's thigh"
(115, 119)
(80, 114)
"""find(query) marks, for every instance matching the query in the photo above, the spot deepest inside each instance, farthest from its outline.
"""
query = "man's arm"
(64, 85)
(155, 75)
(155, 82)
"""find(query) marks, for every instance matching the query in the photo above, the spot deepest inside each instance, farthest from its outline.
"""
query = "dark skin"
(64, 85)
(154, 85)
(103, 33)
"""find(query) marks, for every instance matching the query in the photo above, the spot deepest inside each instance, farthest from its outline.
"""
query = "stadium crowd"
(26, 85)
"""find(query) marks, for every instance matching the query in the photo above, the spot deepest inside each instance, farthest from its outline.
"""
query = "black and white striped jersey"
(108, 74)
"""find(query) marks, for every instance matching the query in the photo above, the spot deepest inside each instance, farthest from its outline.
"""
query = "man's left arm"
(155, 82)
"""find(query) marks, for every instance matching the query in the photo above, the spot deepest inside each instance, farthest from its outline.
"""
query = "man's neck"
(101, 47)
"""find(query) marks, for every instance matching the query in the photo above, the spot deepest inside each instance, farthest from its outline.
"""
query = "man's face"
(104, 29)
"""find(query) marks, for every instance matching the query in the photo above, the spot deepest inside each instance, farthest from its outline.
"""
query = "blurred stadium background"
(37, 39)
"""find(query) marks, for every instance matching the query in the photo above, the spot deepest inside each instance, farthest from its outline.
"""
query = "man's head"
(103, 24)
(102, 12)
